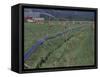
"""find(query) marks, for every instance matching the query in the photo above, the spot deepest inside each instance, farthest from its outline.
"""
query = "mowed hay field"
(73, 48)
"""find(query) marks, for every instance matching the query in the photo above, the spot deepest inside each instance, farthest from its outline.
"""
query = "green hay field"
(74, 48)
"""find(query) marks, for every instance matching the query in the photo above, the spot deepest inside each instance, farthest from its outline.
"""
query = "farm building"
(34, 20)
(38, 20)
(28, 19)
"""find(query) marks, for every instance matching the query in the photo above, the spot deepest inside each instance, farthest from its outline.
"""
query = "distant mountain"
(51, 13)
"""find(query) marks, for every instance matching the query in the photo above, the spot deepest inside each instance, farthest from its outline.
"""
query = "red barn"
(28, 19)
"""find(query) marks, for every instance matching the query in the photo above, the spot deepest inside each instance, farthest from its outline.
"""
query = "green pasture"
(73, 48)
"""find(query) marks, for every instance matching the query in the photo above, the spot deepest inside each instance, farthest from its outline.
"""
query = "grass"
(74, 48)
